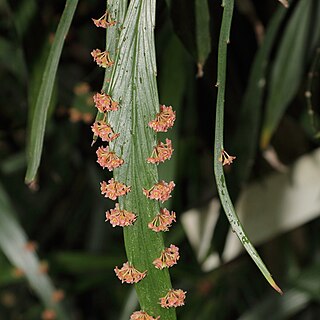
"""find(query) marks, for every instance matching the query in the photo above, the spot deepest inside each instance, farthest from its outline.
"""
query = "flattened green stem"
(218, 145)
(133, 84)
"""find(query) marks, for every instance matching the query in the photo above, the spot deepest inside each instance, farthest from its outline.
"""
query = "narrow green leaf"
(218, 144)
(287, 69)
(133, 84)
(13, 241)
(203, 38)
(37, 130)
(35, 83)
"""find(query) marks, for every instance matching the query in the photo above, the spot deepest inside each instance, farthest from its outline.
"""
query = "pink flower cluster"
(121, 218)
(141, 315)
(104, 103)
(225, 158)
(104, 131)
(105, 21)
(102, 58)
(164, 119)
(168, 258)
(108, 159)
(160, 191)
(113, 189)
(162, 221)
(174, 298)
(161, 152)
(129, 274)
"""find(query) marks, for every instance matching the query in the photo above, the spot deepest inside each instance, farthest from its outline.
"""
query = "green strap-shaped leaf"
(133, 84)
(38, 125)
(218, 144)
(13, 241)
(287, 69)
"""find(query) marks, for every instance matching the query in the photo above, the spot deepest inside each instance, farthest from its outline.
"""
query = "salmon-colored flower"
(102, 58)
(104, 131)
(162, 220)
(225, 158)
(104, 103)
(129, 274)
(164, 119)
(121, 218)
(108, 159)
(160, 191)
(104, 21)
(168, 258)
(174, 298)
(113, 189)
(141, 315)
(161, 152)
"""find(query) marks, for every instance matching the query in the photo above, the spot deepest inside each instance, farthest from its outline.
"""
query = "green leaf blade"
(38, 125)
(287, 70)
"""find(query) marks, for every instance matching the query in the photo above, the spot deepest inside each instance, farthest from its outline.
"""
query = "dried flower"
(141, 315)
(168, 258)
(113, 189)
(225, 158)
(161, 152)
(102, 58)
(129, 274)
(105, 21)
(164, 119)
(121, 218)
(162, 220)
(160, 191)
(174, 298)
(108, 159)
(104, 103)
(104, 131)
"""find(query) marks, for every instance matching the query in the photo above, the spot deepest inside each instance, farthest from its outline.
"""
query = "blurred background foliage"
(271, 124)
